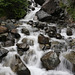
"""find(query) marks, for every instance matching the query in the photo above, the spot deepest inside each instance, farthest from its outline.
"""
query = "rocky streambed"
(32, 47)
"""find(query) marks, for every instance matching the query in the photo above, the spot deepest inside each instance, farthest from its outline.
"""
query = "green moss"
(13, 8)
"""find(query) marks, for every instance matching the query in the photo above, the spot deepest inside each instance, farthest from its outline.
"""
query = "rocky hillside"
(58, 11)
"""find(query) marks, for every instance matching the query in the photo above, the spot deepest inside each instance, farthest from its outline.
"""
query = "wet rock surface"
(3, 29)
(47, 32)
(51, 31)
(3, 53)
(3, 37)
(51, 11)
(50, 60)
(25, 31)
(40, 25)
(43, 16)
(9, 43)
(17, 65)
(28, 41)
(45, 46)
(10, 26)
(40, 2)
(70, 57)
(69, 32)
(72, 43)
(42, 39)
(58, 36)
(22, 47)
(58, 46)
(50, 6)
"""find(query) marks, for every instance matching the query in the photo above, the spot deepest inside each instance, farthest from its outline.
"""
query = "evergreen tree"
(13, 8)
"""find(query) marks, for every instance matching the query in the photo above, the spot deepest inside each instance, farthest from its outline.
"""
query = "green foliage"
(71, 9)
(13, 8)
(62, 5)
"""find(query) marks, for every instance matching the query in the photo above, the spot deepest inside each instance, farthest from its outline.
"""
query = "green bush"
(13, 8)
(71, 9)
(62, 5)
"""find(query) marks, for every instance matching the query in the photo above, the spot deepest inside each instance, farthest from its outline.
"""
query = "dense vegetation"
(70, 8)
(13, 8)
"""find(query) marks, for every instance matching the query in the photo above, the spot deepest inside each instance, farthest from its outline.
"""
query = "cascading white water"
(34, 63)
(65, 65)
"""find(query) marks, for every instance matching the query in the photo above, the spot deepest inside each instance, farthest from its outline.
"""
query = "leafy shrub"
(71, 9)
(13, 8)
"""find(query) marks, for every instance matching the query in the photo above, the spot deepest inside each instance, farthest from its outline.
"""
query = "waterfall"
(65, 65)
(34, 63)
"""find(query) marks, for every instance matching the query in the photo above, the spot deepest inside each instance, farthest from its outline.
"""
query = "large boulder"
(51, 11)
(50, 6)
(21, 67)
(50, 60)
(43, 16)
(16, 65)
(40, 2)
(70, 57)
(58, 46)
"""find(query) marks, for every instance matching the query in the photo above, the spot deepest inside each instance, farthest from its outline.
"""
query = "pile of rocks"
(51, 11)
